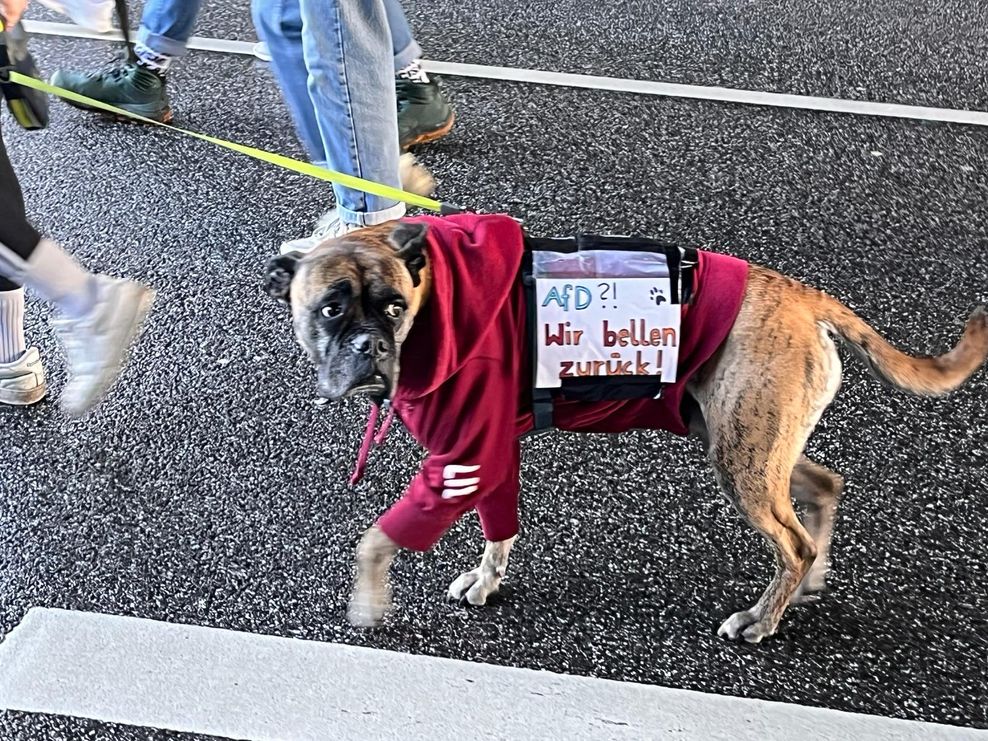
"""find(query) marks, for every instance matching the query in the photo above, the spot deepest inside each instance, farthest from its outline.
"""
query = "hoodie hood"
(475, 261)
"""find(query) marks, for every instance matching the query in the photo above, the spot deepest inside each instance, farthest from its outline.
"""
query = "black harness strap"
(541, 398)
(686, 273)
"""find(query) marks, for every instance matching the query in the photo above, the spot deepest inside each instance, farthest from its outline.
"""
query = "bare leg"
(371, 598)
(474, 587)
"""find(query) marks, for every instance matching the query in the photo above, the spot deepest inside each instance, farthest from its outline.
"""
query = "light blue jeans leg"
(166, 25)
(334, 61)
(406, 50)
(279, 25)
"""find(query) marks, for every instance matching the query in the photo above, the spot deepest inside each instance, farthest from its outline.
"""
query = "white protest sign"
(605, 327)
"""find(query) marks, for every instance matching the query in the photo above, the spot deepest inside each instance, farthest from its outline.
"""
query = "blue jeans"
(166, 25)
(335, 61)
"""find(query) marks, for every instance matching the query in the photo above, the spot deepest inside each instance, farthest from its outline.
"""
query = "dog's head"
(353, 301)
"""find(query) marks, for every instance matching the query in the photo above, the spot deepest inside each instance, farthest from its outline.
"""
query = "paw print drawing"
(657, 297)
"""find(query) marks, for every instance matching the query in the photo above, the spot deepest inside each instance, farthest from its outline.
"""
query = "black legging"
(16, 233)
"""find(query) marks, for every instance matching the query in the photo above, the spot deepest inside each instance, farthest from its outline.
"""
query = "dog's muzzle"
(365, 366)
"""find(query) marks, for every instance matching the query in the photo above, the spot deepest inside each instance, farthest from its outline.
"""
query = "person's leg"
(22, 250)
(12, 344)
(424, 115)
(102, 314)
(166, 26)
(406, 49)
(347, 50)
(279, 25)
(22, 378)
(333, 61)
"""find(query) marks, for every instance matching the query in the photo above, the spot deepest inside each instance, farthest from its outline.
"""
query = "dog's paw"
(814, 584)
(368, 610)
(473, 587)
(809, 592)
(746, 625)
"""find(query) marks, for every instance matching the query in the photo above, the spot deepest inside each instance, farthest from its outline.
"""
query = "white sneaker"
(22, 381)
(414, 178)
(96, 15)
(329, 226)
(96, 344)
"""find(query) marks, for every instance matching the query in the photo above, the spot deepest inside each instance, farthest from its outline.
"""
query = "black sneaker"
(129, 86)
(423, 113)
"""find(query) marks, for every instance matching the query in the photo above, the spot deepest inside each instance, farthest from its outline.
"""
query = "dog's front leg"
(474, 587)
(371, 598)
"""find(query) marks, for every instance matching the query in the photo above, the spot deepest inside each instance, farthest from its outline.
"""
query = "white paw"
(746, 625)
(367, 609)
(473, 587)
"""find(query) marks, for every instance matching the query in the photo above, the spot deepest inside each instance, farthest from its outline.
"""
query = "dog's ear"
(408, 238)
(279, 273)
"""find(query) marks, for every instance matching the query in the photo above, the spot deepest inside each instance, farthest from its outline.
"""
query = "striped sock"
(413, 72)
(11, 325)
(152, 60)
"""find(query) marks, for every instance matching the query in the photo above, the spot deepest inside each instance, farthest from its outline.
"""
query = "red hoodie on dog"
(464, 391)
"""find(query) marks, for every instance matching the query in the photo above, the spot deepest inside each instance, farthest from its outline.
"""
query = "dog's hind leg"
(758, 487)
(819, 489)
(760, 399)
(474, 587)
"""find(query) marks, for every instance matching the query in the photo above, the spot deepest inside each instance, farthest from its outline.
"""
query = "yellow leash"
(304, 168)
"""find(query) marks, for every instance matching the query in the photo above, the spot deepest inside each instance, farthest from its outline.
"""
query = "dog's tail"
(923, 375)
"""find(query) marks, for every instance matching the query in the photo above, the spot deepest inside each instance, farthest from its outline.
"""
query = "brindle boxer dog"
(759, 398)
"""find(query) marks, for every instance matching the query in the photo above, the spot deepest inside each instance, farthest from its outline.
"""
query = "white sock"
(11, 325)
(413, 72)
(56, 276)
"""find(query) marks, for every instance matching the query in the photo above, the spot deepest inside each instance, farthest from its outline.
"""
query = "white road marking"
(595, 82)
(69, 30)
(226, 683)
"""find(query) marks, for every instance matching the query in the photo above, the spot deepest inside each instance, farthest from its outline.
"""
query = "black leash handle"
(28, 107)
(123, 15)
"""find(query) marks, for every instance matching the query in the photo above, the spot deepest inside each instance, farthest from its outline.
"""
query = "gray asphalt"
(919, 53)
(883, 50)
(211, 489)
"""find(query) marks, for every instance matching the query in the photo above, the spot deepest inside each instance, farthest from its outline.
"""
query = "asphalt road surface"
(211, 489)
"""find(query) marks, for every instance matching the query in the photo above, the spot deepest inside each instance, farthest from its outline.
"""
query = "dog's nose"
(362, 343)
(367, 345)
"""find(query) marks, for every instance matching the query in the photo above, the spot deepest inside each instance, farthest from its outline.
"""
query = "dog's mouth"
(342, 377)
(375, 386)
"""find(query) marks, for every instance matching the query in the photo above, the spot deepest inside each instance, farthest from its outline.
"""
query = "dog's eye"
(331, 310)
(394, 310)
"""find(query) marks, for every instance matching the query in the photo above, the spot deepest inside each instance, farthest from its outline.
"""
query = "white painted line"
(69, 30)
(721, 94)
(220, 682)
(614, 84)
